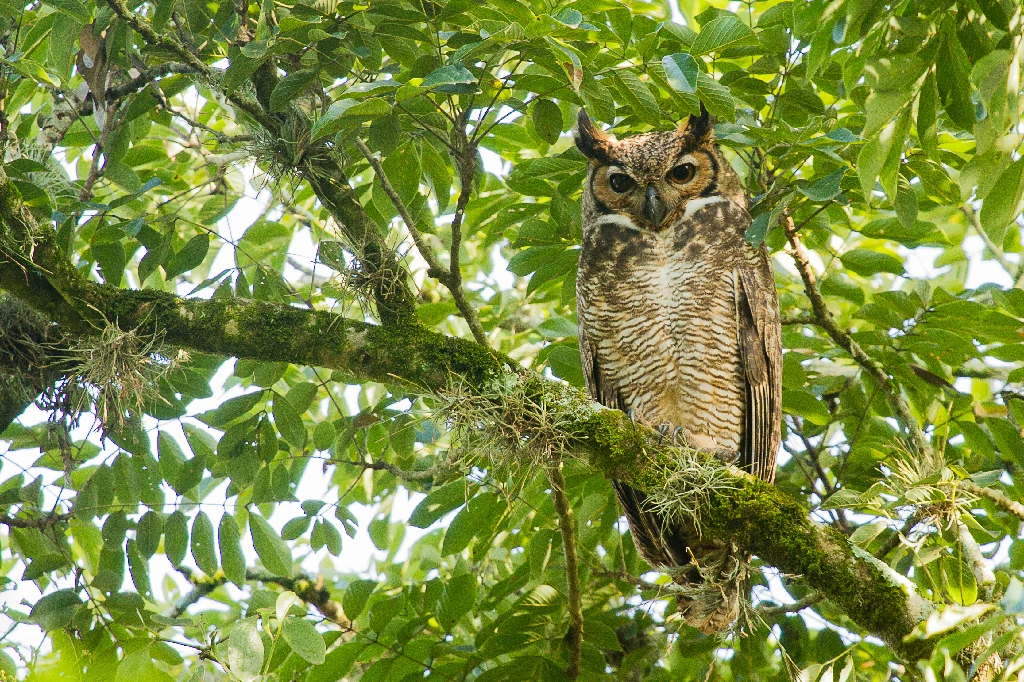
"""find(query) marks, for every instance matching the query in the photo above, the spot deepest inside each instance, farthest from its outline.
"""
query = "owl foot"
(631, 413)
(727, 456)
(678, 436)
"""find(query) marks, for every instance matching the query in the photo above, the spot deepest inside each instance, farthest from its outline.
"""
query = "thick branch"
(845, 341)
(756, 516)
(386, 278)
(995, 496)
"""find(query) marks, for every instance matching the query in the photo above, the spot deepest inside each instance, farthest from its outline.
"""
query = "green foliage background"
(870, 136)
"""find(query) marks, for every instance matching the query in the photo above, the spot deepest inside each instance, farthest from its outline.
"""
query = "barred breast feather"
(681, 327)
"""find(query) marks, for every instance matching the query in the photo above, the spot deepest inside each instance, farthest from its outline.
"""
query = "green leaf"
(681, 70)
(289, 87)
(138, 566)
(229, 541)
(328, 535)
(1004, 202)
(231, 409)
(354, 600)
(294, 528)
(138, 665)
(338, 662)
(451, 79)
(244, 648)
(866, 263)
(324, 435)
(826, 188)
(639, 96)
(547, 120)
(601, 635)
(56, 610)
(437, 503)
(960, 584)
(458, 599)
(927, 128)
(191, 256)
(112, 259)
(288, 422)
(803, 404)
(348, 112)
(402, 168)
(719, 33)
(304, 639)
(148, 532)
(73, 9)
(176, 538)
(272, 550)
(880, 108)
(458, 534)
(203, 547)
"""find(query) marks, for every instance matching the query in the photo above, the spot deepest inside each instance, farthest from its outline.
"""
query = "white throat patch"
(695, 205)
(617, 219)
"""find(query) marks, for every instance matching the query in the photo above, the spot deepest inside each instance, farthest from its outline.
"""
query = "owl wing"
(760, 339)
(658, 543)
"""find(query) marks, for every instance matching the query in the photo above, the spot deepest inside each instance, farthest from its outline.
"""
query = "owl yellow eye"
(682, 173)
(620, 182)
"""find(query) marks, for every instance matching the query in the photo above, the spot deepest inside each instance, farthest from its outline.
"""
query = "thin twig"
(95, 168)
(307, 588)
(574, 638)
(798, 320)
(436, 269)
(997, 252)
(397, 472)
(467, 166)
(847, 343)
(893, 542)
(799, 605)
(39, 522)
(166, 41)
(969, 550)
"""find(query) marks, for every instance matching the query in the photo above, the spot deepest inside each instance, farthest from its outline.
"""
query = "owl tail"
(712, 575)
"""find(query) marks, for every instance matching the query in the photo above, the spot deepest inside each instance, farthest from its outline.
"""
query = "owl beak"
(654, 207)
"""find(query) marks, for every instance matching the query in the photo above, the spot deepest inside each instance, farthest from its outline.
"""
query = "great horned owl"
(678, 320)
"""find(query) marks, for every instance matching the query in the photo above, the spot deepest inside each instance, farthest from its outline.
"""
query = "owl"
(678, 323)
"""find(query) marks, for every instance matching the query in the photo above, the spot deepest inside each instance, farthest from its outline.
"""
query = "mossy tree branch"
(755, 515)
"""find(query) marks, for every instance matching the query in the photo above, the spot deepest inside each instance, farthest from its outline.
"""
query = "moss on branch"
(755, 515)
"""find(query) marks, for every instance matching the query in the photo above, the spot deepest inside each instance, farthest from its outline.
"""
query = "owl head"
(649, 179)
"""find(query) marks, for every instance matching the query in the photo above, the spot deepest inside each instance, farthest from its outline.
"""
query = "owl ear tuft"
(698, 128)
(593, 142)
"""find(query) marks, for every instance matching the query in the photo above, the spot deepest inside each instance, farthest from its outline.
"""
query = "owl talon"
(677, 435)
(662, 430)
(631, 413)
